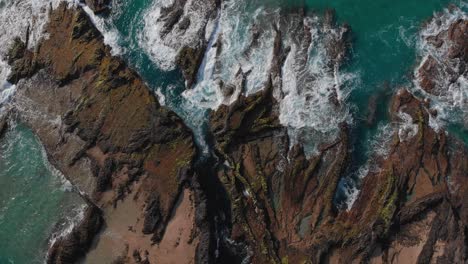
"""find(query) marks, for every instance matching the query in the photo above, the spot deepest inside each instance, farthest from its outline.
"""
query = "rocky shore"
(260, 199)
(105, 130)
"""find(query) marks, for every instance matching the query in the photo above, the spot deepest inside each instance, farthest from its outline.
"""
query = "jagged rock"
(283, 210)
(281, 202)
(73, 246)
(189, 60)
(152, 216)
(23, 61)
(435, 74)
(278, 204)
(110, 137)
(265, 200)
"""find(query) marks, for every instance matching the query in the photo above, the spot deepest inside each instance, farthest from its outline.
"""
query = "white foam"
(149, 39)
(234, 26)
(452, 102)
(309, 86)
(407, 129)
(71, 221)
(163, 49)
(15, 17)
(110, 33)
(160, 96)
(379, 145)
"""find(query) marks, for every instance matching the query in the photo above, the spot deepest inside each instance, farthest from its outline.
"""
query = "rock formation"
(184, 28)
(105, 130)
(410, 210)
(261, 199)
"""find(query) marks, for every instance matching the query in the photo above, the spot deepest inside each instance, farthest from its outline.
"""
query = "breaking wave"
(315, 92)
(238, 59)
(450, 98)
(15, 18)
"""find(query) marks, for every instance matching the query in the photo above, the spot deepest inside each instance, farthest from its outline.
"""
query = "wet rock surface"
(260, 199)
(281, 201)
(73, 246)
(105, 130)
(447, 61)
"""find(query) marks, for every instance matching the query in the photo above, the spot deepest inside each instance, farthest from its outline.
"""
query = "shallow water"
(35, 200)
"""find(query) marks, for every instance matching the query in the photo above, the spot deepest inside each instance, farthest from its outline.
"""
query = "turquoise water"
(383, 56)
(33, 201)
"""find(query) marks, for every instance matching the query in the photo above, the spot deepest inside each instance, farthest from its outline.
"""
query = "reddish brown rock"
(105, 130)
(449, 61)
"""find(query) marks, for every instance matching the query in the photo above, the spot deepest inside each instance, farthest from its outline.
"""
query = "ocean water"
(36, 202)
(385, 50)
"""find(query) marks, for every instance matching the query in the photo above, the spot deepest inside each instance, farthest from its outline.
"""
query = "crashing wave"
(17, 19)
(109, 32)
(312, 90)
(442, 76)
(171, 25)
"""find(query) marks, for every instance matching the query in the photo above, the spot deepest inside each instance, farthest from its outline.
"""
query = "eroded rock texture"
(134, 160)
(105, 130)
(184, 25)
(412, 209)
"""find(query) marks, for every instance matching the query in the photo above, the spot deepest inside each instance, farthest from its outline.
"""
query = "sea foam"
(15, 18)
(451, 100)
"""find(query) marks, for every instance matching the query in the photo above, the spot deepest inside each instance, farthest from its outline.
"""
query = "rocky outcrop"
(447, 58)
(184, 26)
(273, 190)
(261, 199)
(105, 130)
(71, 247)
(282, 208)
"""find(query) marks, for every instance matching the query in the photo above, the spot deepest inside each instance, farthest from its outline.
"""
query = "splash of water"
(451, 83)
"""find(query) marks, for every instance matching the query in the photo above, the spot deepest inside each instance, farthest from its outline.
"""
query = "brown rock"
(112, 139)
(73, 246)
